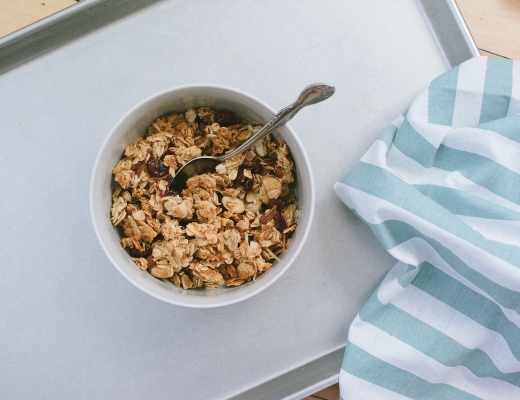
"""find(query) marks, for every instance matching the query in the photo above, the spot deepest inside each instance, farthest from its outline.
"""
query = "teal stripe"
(388, 135)
(407, 278)
(383, 184)
(393, 233)
(441, 98)
(460, 202)
(365, 366)
(508, 127)
(497, 89)
(430, 341)
(475, 306)
(481, 170)
(413, 145)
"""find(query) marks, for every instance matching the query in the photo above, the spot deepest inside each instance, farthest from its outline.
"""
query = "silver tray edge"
(449, 30)
(63, 27)
(299, 382)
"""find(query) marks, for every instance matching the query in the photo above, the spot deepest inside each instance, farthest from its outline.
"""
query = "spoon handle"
(312, 94)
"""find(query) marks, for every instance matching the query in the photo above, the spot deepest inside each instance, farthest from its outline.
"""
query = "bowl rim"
(191, 301)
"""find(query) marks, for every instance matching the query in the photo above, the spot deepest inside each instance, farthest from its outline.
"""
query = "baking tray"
(442, 16)
(70, 325)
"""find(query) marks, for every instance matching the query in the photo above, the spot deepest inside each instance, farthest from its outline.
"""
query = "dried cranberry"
(242, 181)
(256, 167)
(279, 203)
(207, 119)
(169, 192)
(184, 222)
(225, 117)
(156, 168)
(136, 253)
(279, 222)
(151, 262)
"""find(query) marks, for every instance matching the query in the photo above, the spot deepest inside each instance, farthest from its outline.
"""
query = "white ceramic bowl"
(135, 123)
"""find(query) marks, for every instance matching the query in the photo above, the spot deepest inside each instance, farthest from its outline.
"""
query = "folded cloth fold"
(440, 189)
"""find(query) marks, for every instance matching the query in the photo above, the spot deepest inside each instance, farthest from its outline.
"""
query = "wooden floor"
(494, 24)
(15, 14)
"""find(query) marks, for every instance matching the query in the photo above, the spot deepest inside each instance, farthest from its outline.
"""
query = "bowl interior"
(135, 123)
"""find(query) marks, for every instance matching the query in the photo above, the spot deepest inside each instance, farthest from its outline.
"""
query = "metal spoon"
(310, 95)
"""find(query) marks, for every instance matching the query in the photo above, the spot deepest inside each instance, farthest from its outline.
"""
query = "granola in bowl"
(226, 227)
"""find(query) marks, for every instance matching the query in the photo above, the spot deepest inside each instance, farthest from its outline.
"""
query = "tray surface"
(72, 326)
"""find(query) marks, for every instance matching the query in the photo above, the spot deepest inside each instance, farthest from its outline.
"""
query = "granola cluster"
(225, 227)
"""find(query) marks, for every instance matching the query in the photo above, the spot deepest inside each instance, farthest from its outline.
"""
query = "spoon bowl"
(196, 166)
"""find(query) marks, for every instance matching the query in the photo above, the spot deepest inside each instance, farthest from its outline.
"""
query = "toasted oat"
(225, 227)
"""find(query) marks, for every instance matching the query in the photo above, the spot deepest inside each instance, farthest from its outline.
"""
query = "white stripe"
(375, 211)
(498, 230)
(388, 289)
(414, 173)
(353, 388)
(514, 105)
(489, 144)
(376, 154)
(416, 250)
(449, 321)
(470, 90)
(391, 350)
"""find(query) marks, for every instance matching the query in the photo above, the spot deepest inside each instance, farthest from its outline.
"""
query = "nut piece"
(271, 189)
(162, 271)
(206, 273)
(141, 263)
(246, 270)
(233, 204)
(180, 211)
(234, 282)
(176, 280)
(186, 282)
(191, 115)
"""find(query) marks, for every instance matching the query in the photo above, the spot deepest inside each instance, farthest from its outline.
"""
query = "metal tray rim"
(63, 27)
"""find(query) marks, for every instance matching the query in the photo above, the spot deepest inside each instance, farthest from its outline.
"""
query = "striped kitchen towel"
(440, 189)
